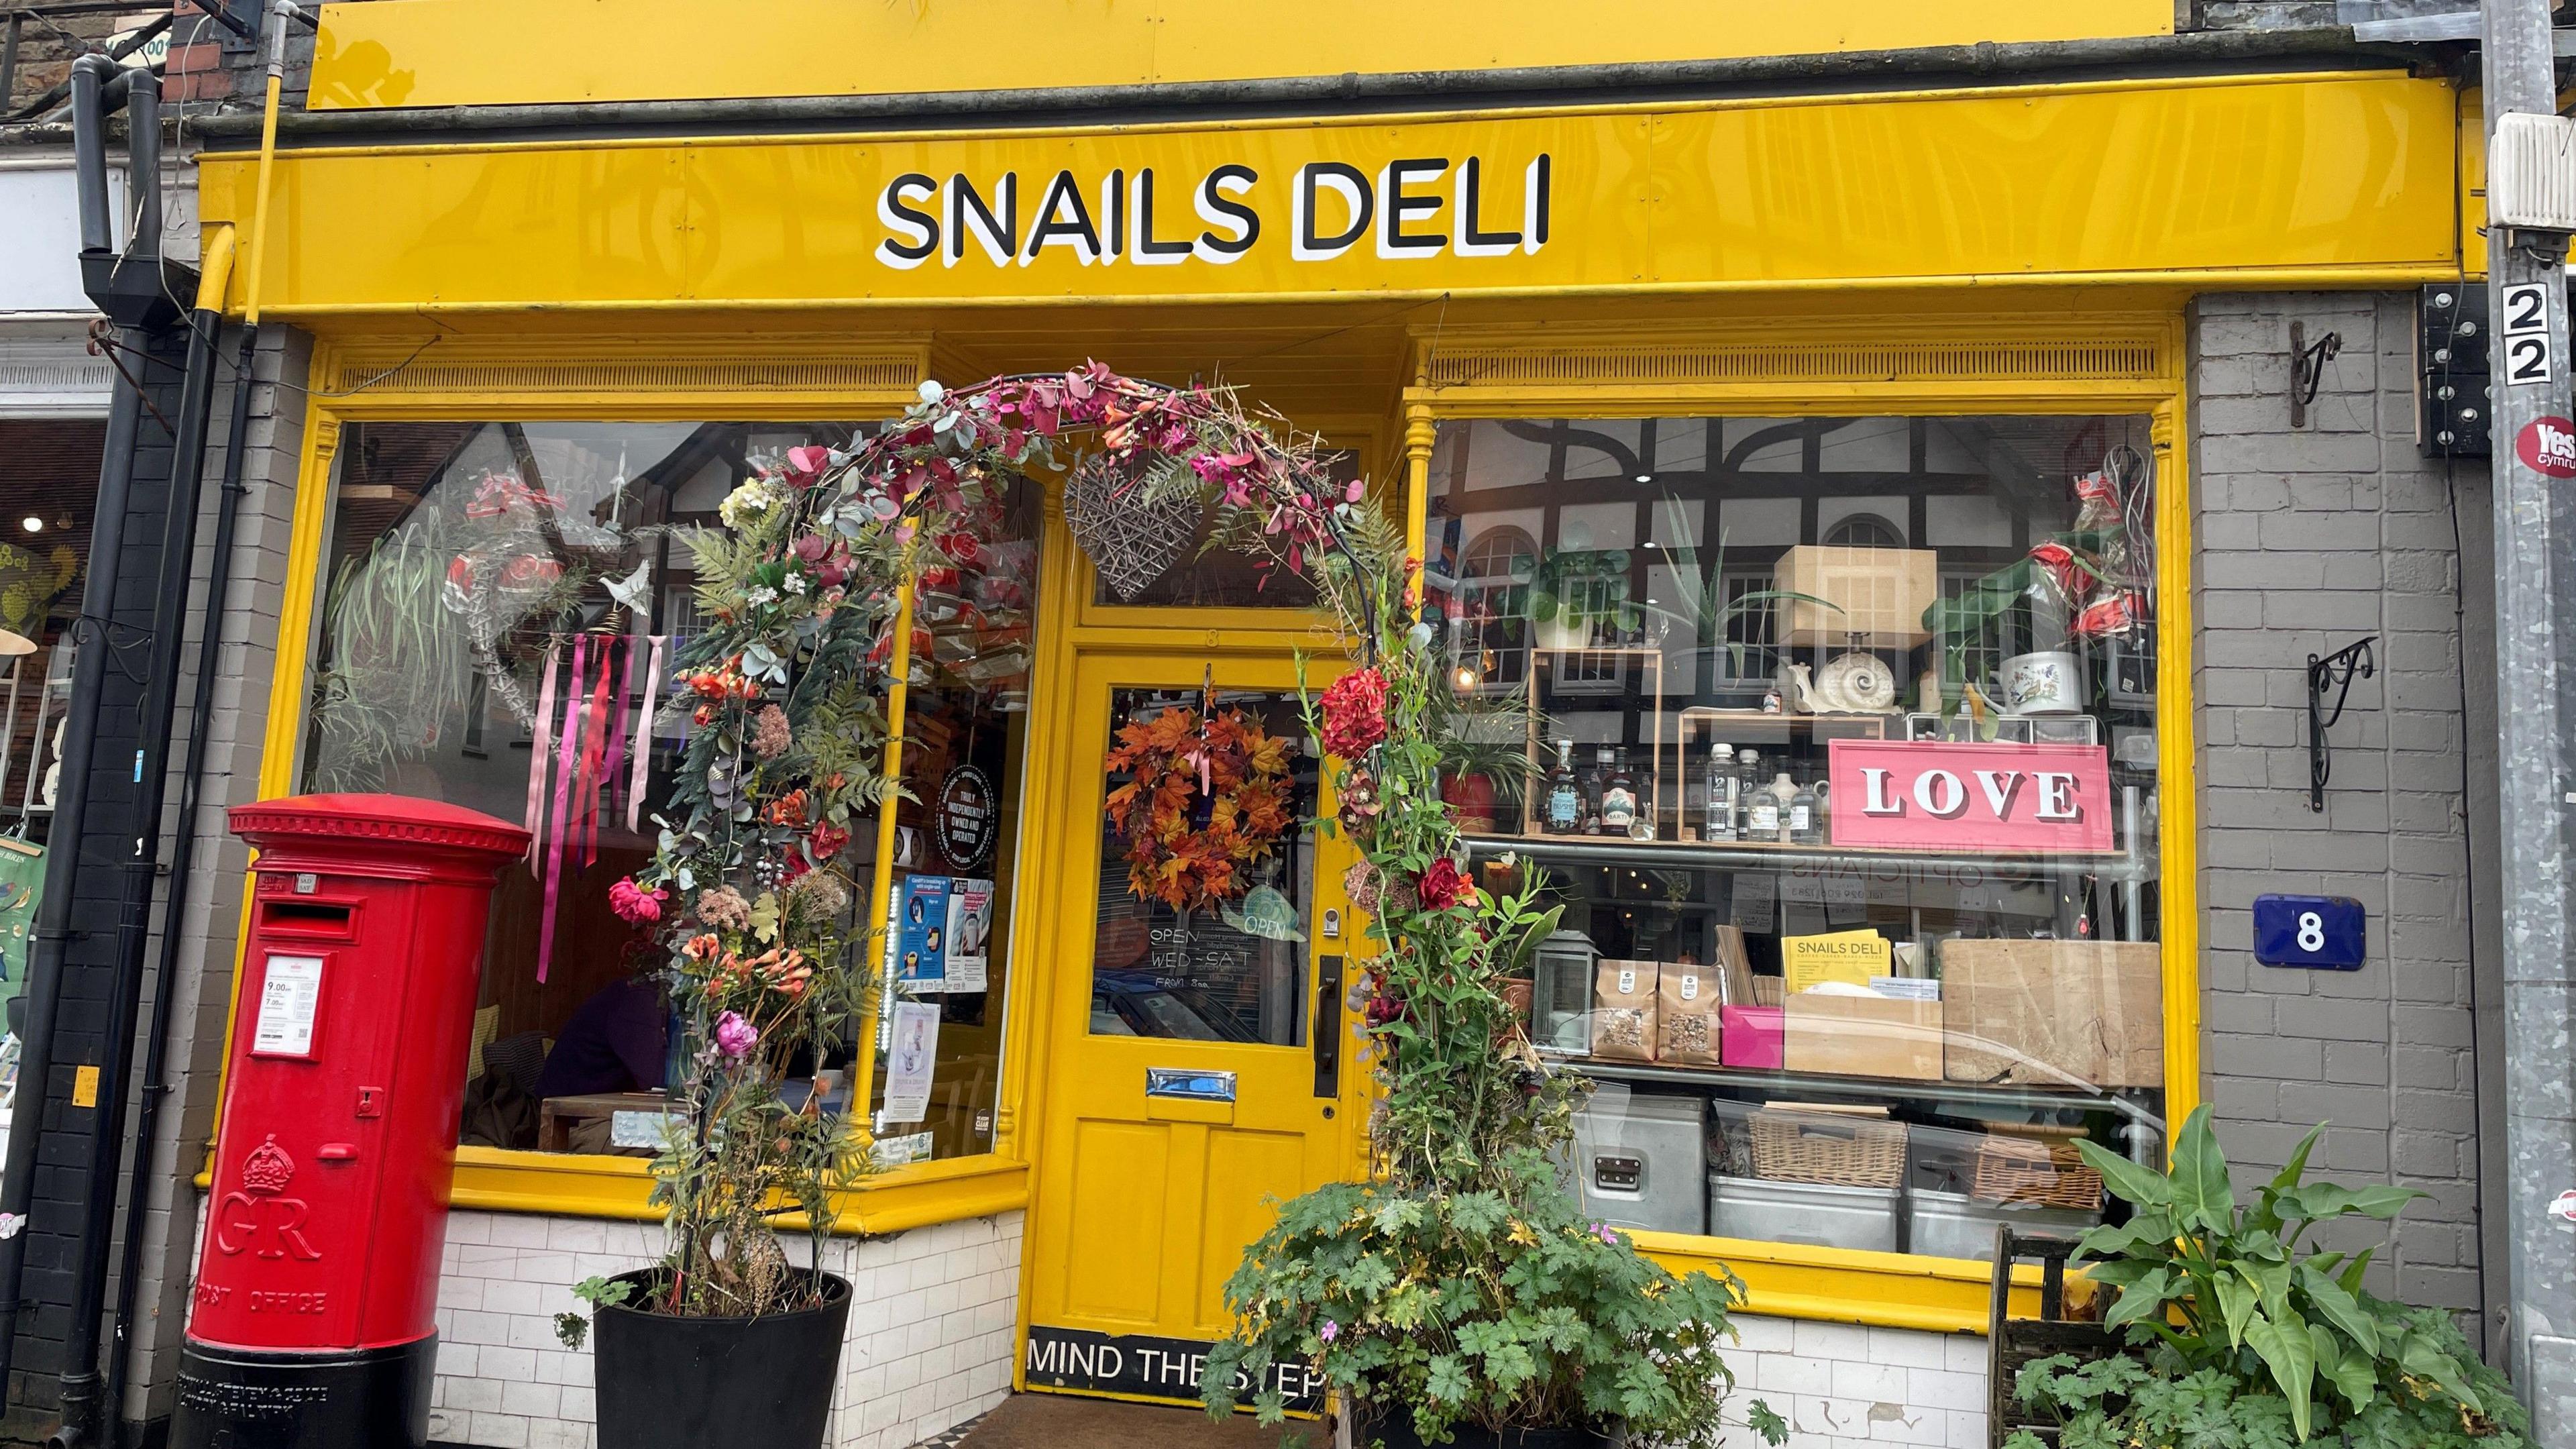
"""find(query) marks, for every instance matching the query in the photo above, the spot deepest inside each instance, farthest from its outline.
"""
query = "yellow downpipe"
(1420, 432)
(259, 206)
(881, 889)
(215, 268)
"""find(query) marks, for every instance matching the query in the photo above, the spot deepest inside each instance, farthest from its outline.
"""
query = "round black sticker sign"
(966, 818)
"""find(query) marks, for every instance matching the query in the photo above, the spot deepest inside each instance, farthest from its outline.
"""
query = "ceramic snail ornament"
(1848, 684)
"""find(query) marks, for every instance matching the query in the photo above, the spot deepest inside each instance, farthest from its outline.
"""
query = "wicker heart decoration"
(1131, 541)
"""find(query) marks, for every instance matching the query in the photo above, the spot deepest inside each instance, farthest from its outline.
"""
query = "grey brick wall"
(2307, 541)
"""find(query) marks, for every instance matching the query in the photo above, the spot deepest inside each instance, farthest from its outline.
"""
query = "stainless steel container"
(1638, 1162)
(1818, 1214)
(1955, 1225)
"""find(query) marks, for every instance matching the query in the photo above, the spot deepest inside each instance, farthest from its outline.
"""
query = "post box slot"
(307, 918)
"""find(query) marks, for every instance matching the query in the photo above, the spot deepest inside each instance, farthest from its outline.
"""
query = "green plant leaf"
(2140, 1299)
(2291, 1355)
(2355, 1374)
(2417, 1355)
(2330, 1200)
(2338, 1308)
(2351, 1276)
(2127, 1180)
(2200, 1185)
(2237, 1301)
(2268, 1215)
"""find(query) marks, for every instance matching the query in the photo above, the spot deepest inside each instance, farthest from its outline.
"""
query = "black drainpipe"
(156, 1040)
(84, 1404)
(89, 671)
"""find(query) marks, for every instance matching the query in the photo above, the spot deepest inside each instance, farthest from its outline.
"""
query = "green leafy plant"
(599, 1293)
(1581, 590)
(395, 667)
(1459, 1287)
(1452, 1308)
(2241, 1336)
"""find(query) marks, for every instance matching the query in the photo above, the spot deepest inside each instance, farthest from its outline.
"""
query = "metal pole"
(2535, 624)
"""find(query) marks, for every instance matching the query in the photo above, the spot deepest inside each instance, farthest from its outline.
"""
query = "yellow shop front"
(1800, 485)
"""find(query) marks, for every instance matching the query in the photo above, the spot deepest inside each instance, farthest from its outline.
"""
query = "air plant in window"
(1706, 614)
(394, 669)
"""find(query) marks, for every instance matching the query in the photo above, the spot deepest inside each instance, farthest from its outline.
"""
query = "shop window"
(1835, 737)
(493, 592)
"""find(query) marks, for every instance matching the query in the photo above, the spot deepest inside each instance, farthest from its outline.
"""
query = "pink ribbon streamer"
(556, 829)
(644, 736)
(537, 763)
(613, 773)
(588, 784)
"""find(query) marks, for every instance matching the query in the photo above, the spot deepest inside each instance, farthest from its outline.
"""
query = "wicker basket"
(2029, 1165)
(1819, 1147)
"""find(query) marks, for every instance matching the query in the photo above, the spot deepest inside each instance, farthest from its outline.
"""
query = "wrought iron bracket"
(2308, 369)
(2335, 671)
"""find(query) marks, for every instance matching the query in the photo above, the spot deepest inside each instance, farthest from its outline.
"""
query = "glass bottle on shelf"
(1824, 812)
(1761, 820)
(1802, 816)
(1564, 810)
(1721, 793)
(1596, 796)
(1784, 795)
(1619, 799)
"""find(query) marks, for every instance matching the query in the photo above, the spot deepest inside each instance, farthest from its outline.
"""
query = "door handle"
(1327, 1034)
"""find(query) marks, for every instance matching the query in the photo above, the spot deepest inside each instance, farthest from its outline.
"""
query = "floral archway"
(798, 685)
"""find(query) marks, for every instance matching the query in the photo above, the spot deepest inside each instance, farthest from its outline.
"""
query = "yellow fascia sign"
(2315, 179)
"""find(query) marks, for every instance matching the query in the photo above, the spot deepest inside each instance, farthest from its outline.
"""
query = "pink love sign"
(1938, 795)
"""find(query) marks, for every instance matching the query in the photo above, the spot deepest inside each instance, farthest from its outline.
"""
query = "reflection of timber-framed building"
(1736, 401)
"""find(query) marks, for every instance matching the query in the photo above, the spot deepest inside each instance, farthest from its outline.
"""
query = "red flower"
(634, 904)
(1444, 885)
(827, 841)
(1355, 713)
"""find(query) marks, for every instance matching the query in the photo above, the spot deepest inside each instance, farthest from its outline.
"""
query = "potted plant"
(1458, 1296)
(768, 965)
(2240, 1334)
(1580, 597)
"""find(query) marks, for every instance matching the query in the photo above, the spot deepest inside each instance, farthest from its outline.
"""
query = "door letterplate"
(1189, 1084)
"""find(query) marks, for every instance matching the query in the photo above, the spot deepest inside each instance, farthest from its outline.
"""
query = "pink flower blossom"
(1330, 1331)
(735, 1037)
(635, 905)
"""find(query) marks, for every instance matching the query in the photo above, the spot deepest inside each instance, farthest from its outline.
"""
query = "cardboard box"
(1862, 1036)
(1880, 593)
(2056, 1013)
(1749, 1036)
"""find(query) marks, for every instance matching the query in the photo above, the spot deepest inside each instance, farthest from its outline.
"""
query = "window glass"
(479, 580)
(1836, 738)
(1222, 964)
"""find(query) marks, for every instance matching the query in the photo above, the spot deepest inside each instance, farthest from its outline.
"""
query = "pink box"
(1750, 1036)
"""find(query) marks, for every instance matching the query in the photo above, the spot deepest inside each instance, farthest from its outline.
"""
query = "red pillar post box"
(311, 1322)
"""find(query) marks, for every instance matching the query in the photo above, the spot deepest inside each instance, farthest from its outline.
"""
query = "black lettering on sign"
(1150, 1367)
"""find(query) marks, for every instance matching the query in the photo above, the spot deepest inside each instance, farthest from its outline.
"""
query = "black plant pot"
(667, 1382)
(1395, 1430)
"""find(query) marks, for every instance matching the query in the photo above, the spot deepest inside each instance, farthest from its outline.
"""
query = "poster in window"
(970, 929)
(910, 1060)
(921, 956)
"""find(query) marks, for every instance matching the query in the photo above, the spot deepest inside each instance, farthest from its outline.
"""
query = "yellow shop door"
(1197, 1063)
